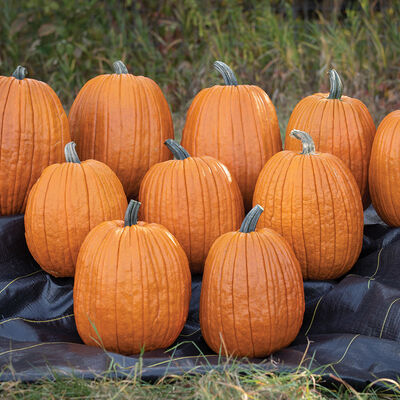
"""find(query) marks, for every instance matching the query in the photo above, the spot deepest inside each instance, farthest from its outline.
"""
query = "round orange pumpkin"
(132, 286)
(252, 297)
(236, 124)
(33, 133)
(339, 125)
(384, 169)
(66, 202)
(313, 201)
(123, 121)
(195, 198)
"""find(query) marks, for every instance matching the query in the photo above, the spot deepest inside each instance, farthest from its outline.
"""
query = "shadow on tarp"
(351, 326)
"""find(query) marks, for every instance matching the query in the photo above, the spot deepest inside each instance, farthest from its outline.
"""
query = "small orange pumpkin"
(236, 124)
(313, 201)
(252, 297)
(66, 202)
(132, 286)
(123, 121)
(33, 133)
(339, 125)
(195, 198)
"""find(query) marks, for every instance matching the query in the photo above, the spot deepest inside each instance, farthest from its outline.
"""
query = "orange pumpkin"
(339, 125)
(313, 201)
(384, 169)
(195, 198)
(66, 202)
(236, 124)
(132, 286)
(33, 133)
(252, 297)
(123, 121)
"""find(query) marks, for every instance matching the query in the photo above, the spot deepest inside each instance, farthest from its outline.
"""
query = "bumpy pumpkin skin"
(33, 132)
(252, 297)
(133, 285)
(123, 121)
(341, 126)
(66, 202)
(313, 201)
(237, 125)
(196, 199)
(384, 169)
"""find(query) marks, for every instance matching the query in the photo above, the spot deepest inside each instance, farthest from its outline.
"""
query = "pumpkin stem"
(226, 72)
(131, 213)
(176, 149)
(20, 73)
(250, 220)
(120, 68)
(336, 85)
(306, 141)
(71, 154)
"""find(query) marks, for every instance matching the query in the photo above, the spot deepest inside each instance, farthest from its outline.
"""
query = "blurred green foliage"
(271, 43)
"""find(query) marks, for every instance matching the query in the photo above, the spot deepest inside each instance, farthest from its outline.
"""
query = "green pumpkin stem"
(226, 72)
(336, 85)
(306, 141)
(176, 149)
(71, 154)
(20, 73)
(250, 220)
(120, 68)
(131, 213)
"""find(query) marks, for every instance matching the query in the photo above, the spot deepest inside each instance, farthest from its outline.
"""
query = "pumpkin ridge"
(203, 110)
(121, 234)
(235, 240)
(246, 239)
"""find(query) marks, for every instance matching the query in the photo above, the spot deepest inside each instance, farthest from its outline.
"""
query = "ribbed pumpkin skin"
(66, 202)
(252, 297)
(196, 199)
(313, 201)
(237, 125)
(133, 285)
(341, 127)
(384, 169)
(123, 121)
(33, 133)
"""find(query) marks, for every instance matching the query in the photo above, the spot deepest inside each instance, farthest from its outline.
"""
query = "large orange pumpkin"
(66, 202)
(313, 201)
(384, 169)
(339, 125)
(33, 133)
(132, 286)
(252, 297)
(195, 198)
(236, 124)
(123, 121)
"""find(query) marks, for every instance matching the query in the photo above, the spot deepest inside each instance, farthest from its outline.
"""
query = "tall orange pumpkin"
(339, 125)
(66, 202)
(132, 286)
(313, 201)
(195, 198)
(33, 133)
(384, 169)
(123, 121)
(252, 297)
(236, 124)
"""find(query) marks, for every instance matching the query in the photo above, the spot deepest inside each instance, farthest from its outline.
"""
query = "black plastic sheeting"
(351, 326)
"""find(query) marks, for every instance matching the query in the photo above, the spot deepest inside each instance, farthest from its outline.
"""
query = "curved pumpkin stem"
(176, 149)
(71, 154)
(131, 213)
(120, 68)
(250, 220)
(226, 72)
(20, 72)
(336, 85)
(306, 141)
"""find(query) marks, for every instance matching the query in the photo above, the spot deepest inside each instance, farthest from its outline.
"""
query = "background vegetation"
(286, 47)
